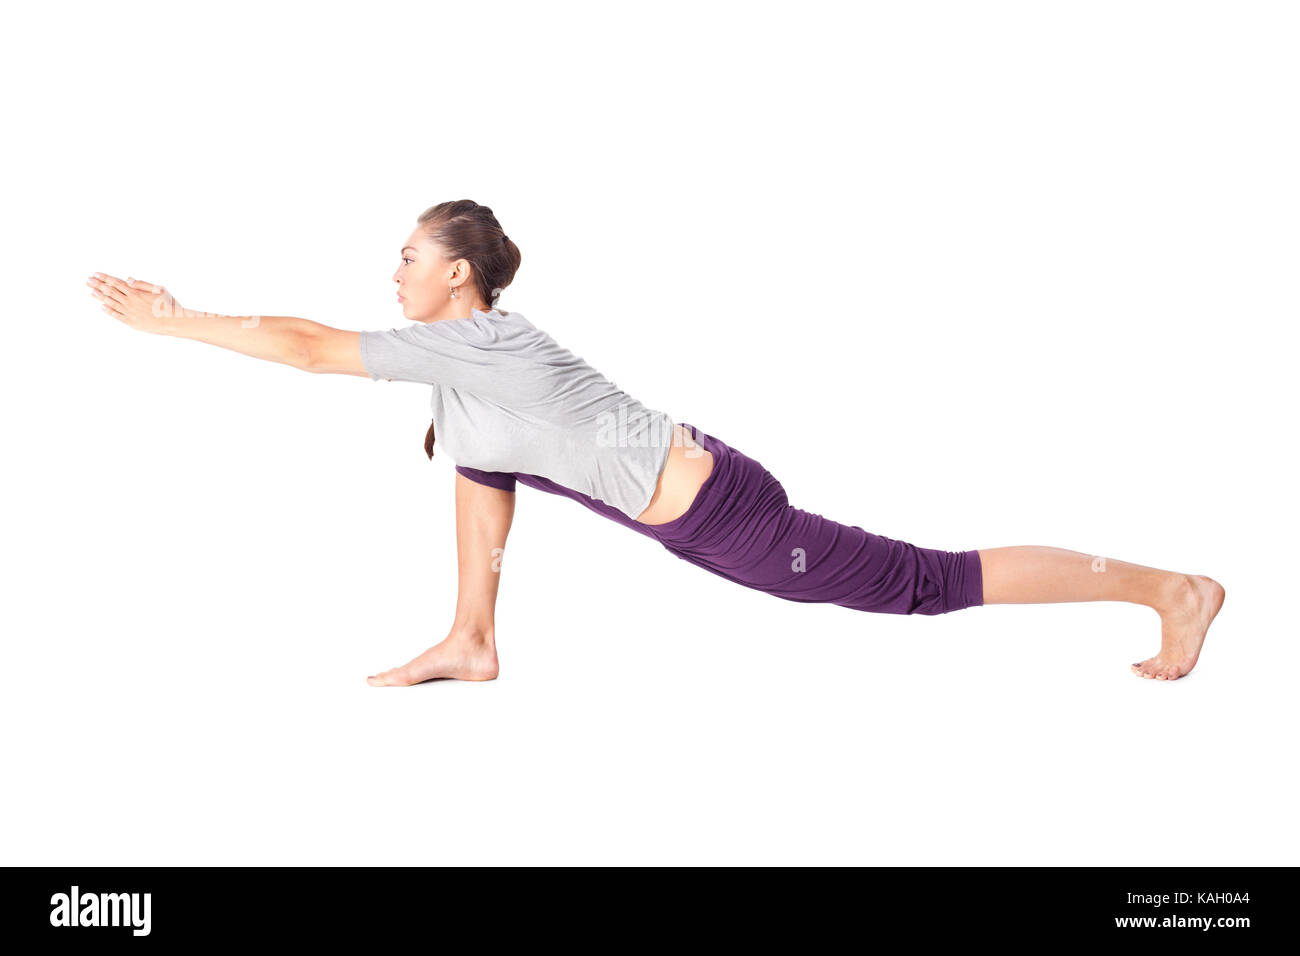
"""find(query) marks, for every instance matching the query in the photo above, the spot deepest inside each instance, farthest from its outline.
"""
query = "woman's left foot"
(461, 656)
(1182, 628)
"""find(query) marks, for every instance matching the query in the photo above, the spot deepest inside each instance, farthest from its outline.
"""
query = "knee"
(947, 581)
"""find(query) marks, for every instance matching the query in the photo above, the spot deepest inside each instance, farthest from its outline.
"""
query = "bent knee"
(948, 581)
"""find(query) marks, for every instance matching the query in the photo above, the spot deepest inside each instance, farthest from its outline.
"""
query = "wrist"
(179, 322)
(193, 324)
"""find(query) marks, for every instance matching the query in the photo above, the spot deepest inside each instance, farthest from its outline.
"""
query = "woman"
(513, 406)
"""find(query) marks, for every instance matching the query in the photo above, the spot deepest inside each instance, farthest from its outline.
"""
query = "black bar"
(325, 904)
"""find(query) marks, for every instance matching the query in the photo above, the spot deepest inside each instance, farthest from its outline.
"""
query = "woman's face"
(424, 279)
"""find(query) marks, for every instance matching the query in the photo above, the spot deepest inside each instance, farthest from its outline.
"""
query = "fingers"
(144, 285)
(113, 282)
(122, 286)
(111, 306)
(104, 292)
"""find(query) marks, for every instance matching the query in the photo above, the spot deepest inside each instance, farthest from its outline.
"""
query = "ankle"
(1173, 593)
(477, 634)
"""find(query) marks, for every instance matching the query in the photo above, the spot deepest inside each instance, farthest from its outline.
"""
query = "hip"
(736, 500)
(687, 467)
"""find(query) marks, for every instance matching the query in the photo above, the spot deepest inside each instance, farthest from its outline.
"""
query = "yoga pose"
(512, 406)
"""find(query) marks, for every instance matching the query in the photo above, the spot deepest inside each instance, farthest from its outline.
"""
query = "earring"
(453, 292)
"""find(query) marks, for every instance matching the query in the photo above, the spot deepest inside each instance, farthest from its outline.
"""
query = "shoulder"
(499, 329)
(481, 330)
(499, 317)
(468, 330)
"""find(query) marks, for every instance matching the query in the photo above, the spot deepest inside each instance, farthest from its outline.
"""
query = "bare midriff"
(686, 469)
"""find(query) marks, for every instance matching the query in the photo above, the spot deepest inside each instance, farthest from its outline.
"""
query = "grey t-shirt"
(507, 397)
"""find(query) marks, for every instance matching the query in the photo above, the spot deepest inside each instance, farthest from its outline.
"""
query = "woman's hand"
(276, 338)
(140, 304)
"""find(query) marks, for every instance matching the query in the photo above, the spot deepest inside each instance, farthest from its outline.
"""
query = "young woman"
(513, 406)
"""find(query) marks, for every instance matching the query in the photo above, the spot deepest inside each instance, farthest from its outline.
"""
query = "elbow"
(305, 353)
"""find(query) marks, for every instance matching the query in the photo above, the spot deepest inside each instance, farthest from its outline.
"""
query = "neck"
(455, 310)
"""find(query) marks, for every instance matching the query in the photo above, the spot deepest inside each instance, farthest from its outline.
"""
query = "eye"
(404, 259)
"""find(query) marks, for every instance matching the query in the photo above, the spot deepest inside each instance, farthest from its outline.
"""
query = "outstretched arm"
(286, 339)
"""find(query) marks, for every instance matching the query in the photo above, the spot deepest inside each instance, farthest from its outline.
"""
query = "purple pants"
(742, 527)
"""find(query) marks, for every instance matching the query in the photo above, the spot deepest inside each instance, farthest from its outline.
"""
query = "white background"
(969, 275)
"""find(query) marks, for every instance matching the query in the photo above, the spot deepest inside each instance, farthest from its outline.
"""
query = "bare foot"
(1182, 628)
(462, 655)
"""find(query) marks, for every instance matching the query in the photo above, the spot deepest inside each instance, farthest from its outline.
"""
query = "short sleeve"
(493, 479)
(369, 361)
(446, 352)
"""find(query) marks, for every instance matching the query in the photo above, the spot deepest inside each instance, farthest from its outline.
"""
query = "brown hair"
(466, 230)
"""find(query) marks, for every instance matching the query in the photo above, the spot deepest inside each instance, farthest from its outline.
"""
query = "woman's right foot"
(1183, 625)
(461, 656)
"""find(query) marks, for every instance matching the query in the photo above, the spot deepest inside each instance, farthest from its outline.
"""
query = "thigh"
(818, 559)
(804, 556)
